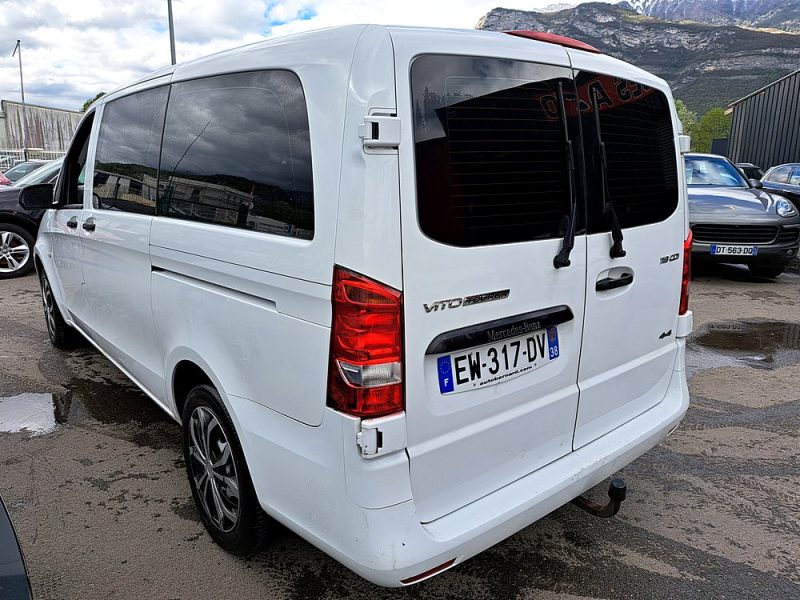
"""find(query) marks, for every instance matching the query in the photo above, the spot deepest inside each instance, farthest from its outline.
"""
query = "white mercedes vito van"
(407, 290)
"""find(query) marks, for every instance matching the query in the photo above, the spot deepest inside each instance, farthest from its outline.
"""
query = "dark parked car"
(750, 170)
(733, 221)
(14, 582)
(22, 168)
(785, 180)
(18, 227)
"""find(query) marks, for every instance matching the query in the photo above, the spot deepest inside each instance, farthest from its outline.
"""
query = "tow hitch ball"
(616, 494)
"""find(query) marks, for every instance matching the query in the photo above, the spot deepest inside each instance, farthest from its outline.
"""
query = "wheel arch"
(185, 368)
(46, 268)
(186, 375)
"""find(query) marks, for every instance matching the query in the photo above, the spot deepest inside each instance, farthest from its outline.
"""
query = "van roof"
(348, 35)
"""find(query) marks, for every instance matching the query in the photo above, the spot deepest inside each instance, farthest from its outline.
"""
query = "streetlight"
(171, 31)
(18, 47)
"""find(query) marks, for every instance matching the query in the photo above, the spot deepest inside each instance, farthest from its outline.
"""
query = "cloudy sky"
(72, 49)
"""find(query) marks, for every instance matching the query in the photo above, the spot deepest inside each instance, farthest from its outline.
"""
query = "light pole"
(171, 31)
(18, 48)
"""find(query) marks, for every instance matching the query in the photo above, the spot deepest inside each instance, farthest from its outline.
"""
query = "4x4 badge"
(466, 301)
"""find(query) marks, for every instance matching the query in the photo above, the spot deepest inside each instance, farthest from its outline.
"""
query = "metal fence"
(10, 157)
(766, 124)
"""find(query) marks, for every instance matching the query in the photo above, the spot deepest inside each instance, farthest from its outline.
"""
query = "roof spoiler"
(552, 38)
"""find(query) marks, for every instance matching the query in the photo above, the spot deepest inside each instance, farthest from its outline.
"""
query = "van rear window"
(491, 164)
(642, 168)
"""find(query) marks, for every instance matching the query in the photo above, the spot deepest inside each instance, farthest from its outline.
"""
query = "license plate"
(497, 362)
(734, 250)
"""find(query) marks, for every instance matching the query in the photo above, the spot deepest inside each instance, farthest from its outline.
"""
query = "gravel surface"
(92, 474)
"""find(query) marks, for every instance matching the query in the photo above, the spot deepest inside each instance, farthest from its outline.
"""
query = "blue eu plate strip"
(445, 375)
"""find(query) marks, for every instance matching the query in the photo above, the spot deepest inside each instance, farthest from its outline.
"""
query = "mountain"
(774, 14)
(706, 65)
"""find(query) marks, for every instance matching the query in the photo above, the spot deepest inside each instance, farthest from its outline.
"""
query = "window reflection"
(126, 162)
(636, 128)
(236, 152)
(491, 158)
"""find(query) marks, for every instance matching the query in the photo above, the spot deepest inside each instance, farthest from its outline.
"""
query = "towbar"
(616, 494)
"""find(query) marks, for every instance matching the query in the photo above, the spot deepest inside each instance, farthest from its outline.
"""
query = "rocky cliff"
(705, 65)
(775, 14)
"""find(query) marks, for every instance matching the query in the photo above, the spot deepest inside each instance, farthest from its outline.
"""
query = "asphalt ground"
(103, 510)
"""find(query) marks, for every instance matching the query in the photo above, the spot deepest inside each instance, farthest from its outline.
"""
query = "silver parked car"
(733, 220)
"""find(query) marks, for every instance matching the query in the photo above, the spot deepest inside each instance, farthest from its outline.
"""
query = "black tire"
(766, 270)
(16, 251)
(61, 335)
(210, 484)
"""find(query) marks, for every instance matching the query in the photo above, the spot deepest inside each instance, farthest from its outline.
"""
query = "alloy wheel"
(213, 469)
(14, 252)
(49, 307)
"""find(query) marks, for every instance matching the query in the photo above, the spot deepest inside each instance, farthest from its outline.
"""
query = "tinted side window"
(795, 178)
(490, 152)
(126, 164)
(67, 173)
(642, 168)
(780, 175)
(236, 152)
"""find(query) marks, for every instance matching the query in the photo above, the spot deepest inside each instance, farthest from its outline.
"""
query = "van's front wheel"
(61, 335)
(218, 474)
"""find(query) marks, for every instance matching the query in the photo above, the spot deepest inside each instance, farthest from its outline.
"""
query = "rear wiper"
(608, 204)
(562, 258)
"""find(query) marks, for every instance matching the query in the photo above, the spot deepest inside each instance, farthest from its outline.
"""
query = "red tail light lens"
(687, 274)
(365, 378)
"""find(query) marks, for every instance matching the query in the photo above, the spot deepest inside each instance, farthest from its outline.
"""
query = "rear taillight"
(687, 274)
(365, 378)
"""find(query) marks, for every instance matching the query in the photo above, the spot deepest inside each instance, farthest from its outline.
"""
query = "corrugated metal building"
(48, 128)
(766, 124)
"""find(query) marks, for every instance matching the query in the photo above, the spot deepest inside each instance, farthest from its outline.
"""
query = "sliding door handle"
(612, 283)
(89, 224)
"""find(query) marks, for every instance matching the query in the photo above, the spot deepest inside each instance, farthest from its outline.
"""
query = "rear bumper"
(304, 484)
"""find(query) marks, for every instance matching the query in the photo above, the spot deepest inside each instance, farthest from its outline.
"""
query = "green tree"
(687, 117)
(88, 103)
(715, 124)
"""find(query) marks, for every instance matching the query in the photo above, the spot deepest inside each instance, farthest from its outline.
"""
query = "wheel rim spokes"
(14, 252)
(213, 469)
(49, 307)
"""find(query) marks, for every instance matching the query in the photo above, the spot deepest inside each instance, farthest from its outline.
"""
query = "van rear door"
(492, 328)
(629, 345)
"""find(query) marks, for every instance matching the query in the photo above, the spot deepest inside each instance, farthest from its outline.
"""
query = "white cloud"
(73, 49)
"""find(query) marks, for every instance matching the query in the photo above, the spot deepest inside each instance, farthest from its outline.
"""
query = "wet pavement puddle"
(84, 402)
(32, 413)
(757, 344)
